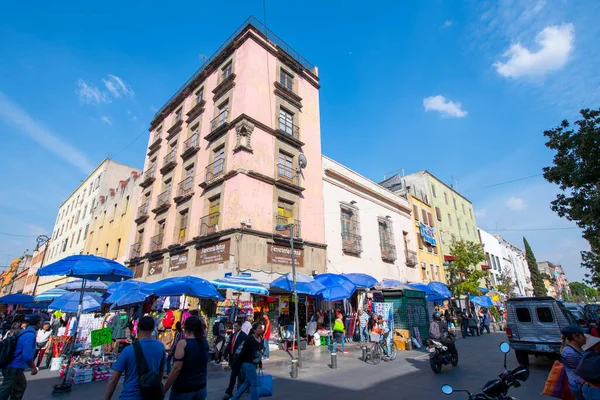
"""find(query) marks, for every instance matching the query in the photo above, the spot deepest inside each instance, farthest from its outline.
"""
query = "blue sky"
(464, 89)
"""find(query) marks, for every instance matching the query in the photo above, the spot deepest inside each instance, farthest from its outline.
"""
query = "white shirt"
(43, 336)
(246, 326)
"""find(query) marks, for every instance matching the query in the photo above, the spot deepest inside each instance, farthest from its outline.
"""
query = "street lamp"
(290, 227)
(40, 241)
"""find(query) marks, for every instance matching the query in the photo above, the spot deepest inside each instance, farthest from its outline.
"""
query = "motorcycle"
(440, 356)
(497, 389)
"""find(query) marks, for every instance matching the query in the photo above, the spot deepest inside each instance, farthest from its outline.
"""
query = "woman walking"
(179, 335)
(250, 358)
(570, 356)
(188, 376)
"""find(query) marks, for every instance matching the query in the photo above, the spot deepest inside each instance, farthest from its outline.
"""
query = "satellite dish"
(302, 161)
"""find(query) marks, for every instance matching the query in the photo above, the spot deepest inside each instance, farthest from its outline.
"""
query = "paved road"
(409, 377)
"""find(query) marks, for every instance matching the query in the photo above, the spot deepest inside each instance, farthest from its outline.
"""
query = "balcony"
(214, 173)
(155, 143)
(136, 250)
(388, 251)
(288, 178)
(195, 111)
(148, 178)
(281, 220)
(156, 242)
(219, 123)
(209, 224)
(142, 213)
(174, 130)
(185, 190)
(286, 127)
(411, 257)
(163, 202)
(351, 243)
(169, 162)
(191, 146)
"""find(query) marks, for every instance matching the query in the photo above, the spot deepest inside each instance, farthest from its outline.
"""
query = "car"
(533, 326)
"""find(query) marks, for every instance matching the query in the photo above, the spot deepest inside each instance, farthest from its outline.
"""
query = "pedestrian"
(338, 334)
(249, 359)
(247, 326)
(219, 333)
(14, 383)
(179, 334)
(589, 370)
(154, 353)
(473, 326)
(188, 376)
(234, 347)
(42, 341)
(266, 336)
(573, 339)
(385, 333)
(484, 318)
(464, 323)
(362, 322)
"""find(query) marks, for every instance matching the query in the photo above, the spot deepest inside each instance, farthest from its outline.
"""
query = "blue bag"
(265, 384)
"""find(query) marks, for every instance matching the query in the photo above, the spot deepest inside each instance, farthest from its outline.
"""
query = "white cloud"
(90, 94)
(13, 115)
(131, 116)
(117, 87)
(515, 203)
(480, 212)
(448, 108)
(555, 46)
(447, 23)
(106, 119)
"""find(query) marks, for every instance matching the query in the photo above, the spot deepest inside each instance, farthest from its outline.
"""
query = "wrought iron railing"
(215, 169)
(142, 210)
(156, 242)
(351, 243)
(209, 223)
(191, 143)
(286, 126)
(149, 173)
(281, 220)
(288, 174)
(136, 250)
(219, 120)
(185, 187)
(163, 199)
(411, 257)
(388, 251)
(171, 157)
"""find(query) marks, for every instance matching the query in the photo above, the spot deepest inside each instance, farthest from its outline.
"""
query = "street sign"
(101, 336)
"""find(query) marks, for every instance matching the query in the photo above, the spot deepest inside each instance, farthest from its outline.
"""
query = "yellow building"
(429, 255)
(112, 220)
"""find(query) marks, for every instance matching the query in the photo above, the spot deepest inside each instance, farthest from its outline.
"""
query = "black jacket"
(241, 338)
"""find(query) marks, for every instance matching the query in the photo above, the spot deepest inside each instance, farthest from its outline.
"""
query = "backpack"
(435, 331)
(7, 349)
(150, 382)
(216, 330)
(168, 319)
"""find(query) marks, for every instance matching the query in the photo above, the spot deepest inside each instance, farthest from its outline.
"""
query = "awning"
(242, 284)
(449, 258)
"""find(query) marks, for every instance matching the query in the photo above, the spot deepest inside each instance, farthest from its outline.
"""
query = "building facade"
(368, 229)
(75, 214)
(555, 280)
(36, 263)
(112, 221)
(493, 257)
(513, 258)
(431, 263)
(14, 279)
(232, 155)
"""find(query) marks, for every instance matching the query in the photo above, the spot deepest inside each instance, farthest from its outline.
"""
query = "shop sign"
(428, 234)
(214, 253)
(101, 336)
(179, 261)
(283, 255)
(155, 267)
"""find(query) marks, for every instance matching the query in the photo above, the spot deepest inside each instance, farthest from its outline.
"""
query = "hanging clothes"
(119, 326)
(174, 302)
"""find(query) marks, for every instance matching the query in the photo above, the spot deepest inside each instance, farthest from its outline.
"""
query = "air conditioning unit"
(135, 174)
(123, 183)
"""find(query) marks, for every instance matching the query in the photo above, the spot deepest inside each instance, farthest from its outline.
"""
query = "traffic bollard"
(364, 352)
(294, 373)
(333, 360)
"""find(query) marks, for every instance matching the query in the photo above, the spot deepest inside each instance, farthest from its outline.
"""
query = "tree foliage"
(506, 284)
(539, 289)
(582, 292)
(576, 170)
(464, 272)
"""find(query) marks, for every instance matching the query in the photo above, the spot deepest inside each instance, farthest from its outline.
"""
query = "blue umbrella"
(389, 283)
(361, 280)
(187, 285)
(123, 299)
(16, 299)
(70, 302)
(481, 301)
(421, 286)
(484, 290)
(88, 286)
(338, 287)
(440, 289)
(304, 284)
(242, 284)
(127, 285)
(119, 289)
(87, 267)
(49, 295)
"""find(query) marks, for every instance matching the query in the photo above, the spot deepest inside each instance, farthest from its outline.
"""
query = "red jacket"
(267, 334)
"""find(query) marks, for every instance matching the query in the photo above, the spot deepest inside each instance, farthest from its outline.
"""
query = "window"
(438, 214)
(226, 71)
(454, 200)
(285, 211)
(78, 236)
(284, 168)
(458, 223)
(86, 231)
(84, 211)
(93, 204)
(183, 224)
(223, 113)
(430, 219)
(126, 204)
(179, 114)
(286, 121)
(286, 80)
(446, 197)
(98, 181)
(471, 213)
(416, 212)
(72, 240)
(219, 163)
(106, 251)
(65, 244)
(544, 314)
(433, 190)
(214, 207)
(424, 214)
(449, 219)
(523, 314)
(386, 240)
(200, 95)
(467, 227)
(463, 208)
(118, 248)
(351, 241)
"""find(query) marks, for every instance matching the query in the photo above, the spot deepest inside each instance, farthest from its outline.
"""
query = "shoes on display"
(345, 352)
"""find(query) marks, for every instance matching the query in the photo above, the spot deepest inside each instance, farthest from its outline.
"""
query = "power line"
(505, 183)
(15, 235)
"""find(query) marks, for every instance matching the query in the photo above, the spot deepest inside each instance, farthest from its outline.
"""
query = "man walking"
(266, 337)
(464, 324)
(362, 321)
(154, 353)
(14, 383)
(237, 340)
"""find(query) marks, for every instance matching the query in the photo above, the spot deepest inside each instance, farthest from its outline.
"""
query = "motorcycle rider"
(438, 330)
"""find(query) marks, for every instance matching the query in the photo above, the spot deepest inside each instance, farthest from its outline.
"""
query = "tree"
(539, 289)
(464, 272)
(582, 292)
(506, 284)
(576, 171)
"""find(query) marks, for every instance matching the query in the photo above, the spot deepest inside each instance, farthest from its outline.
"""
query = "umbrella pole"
(64, 386)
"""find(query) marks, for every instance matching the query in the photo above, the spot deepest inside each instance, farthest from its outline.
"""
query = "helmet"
(437, 316)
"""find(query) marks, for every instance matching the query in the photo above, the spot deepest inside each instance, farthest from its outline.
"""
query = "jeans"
(576, 391)
(590, 392)
(197, 395)
(266, 345)
(465, 328)
(484, 327)
(14, 384)
(364, 335)
(338, 337)
(250, 382)
(169, 363)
